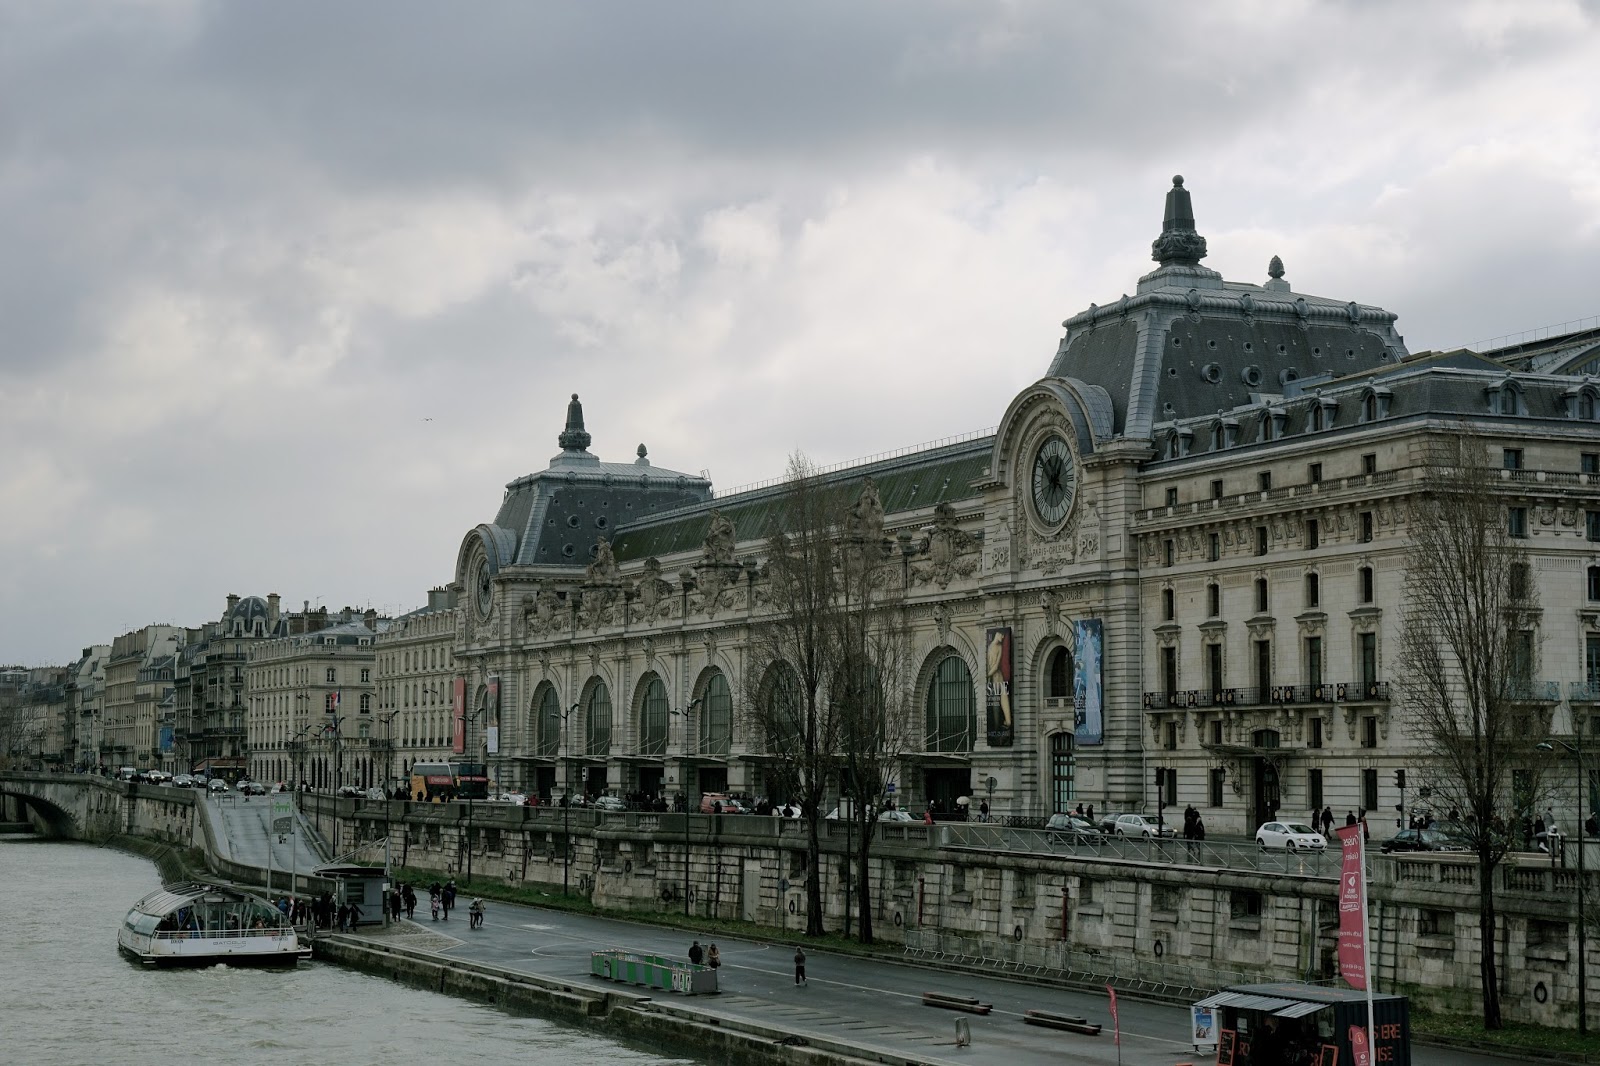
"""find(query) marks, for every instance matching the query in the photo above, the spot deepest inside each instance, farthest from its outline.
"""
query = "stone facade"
(210, 705)
(138, 681)
(413, 672)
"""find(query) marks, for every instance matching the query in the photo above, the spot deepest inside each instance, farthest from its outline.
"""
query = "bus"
(444, 781)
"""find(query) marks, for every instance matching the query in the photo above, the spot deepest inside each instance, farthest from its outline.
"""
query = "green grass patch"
(1515, 1037)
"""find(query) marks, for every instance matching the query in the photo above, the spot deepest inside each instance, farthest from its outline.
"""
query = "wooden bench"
(968, 1004)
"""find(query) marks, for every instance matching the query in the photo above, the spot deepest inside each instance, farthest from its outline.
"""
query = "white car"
(1138, 825)
(1289, 836)
(895, 814)
(511, 797)
(609, 803)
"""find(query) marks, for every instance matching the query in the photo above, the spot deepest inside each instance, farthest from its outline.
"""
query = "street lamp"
(388, 777)
(566, 806)
(1576, 748)
(333, 727)
(466, 721)
(684, 714)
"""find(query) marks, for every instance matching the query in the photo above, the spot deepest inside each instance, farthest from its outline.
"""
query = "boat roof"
(169, 898)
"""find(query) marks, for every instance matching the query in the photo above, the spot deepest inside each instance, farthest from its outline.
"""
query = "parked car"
(1291, 836)
(1139, 825)
(710, 800)
(609, 803)
(1422, 840)
(1068, 826)
(895, 814)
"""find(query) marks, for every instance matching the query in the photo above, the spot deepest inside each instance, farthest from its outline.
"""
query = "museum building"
(1172, 576)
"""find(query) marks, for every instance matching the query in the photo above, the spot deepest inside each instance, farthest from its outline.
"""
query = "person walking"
(799, 966)
(449, 897)
(1349, 818)
(697, 954)
(927, 816)
(983, 811)
(1327, 822)
(713, 957)
(433, 901)
(409, 897)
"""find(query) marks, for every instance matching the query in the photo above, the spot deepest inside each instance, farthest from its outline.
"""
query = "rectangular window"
(1214, 672)
(1214, 785)
(1215, 544)
(1317, 739)
(1313, 534)
(1169, 738)
(1261, 540)
(1511, 458)
(1214, 599)
(1169, 786)
(1366, 527)
(1591, 662)
(1261, 595)
(1169, 673)
(1314, 663)
(1263, 668)
(1594, 583)
(1521, 664)
(1589, 462)
(1436, 923)
(1216, 489)
(1169, 551)
(332, 675)
(1369, 789)
(1517, 521)
(1314, 787)
(1172, 497)
(1244, 903)
(1367, 659)
(1591, 524)
(1169, 608)
(366, 676)
(1369, 735)
(1369, 463)
(1264, 479)
(1365, 583)
(1313, 590)
(1315, 473)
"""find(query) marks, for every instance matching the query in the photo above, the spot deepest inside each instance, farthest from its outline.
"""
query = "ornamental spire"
(573, 438)
(1178, 243)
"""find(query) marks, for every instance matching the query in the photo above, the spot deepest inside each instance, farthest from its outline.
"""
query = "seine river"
(68, 998)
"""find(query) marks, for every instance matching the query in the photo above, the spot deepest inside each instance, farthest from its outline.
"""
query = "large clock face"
(1054, 480)
(483, 589)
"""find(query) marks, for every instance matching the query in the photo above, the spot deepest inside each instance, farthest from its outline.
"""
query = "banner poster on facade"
(1088, 691)
(458, 711)
(1352, 934)
(492, 732)
(166, 738)
(998, 688)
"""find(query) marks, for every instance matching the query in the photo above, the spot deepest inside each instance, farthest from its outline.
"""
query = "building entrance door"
(1267, 793)
(942, 787)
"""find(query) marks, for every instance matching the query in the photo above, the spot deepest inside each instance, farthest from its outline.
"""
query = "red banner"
(1359, 1052)
(1116, 1025)
(458, 709)
(1352, 910)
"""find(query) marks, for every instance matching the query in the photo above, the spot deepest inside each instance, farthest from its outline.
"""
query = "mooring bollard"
(963, 1033)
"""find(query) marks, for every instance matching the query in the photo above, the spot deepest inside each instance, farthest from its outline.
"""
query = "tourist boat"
(196, 924)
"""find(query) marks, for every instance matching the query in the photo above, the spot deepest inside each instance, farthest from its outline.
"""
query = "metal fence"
(1209, 854)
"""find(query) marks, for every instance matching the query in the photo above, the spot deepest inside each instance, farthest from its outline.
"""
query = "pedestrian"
(1366, 830)
(697, 953)
(344, 917)
(927, 816)
(449, 897)
(433, 901)
(410, 899)
(713, 957)
(1327, 821)
(1199, 827)
(1091, 814)
(1349, 818)
(983, 811)
(799, 966)
(352, 916)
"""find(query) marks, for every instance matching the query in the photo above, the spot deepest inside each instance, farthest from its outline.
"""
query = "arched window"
(716, 717)
(547, 723)
(597, 719)
(653, 714)
(951, 715)
(1058, 674)
(781, 716)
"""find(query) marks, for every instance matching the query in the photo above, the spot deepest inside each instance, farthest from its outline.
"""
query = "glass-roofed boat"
(198, 924)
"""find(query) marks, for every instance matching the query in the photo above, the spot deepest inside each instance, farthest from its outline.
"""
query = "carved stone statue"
(865, 524)
(719, 540)
(604, 567)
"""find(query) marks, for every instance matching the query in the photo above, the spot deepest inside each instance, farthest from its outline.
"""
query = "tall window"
(1168, 605)
(1517, 521)
(1313, 590)
(781, 696)
(1365, 584)
(1169, 672)
(366, 703)
(1263, 668)
(1058, 675)
(1314, 787)
(1366, 527)
(653, 713)
(1261, 540)
(1591, 524)
(716, 717)
(1215, 545)
(1367, 659)
(1214, 789)
(1369, 789)
(1594, 582)
(951, 716)
(1214, 670)
(1261, 595)
(1591, 662)
(1214, 599)
(1313, 534)
(1521, 664)
(597, 721)
(547, 724)
(1061, 772)
(1314, 663)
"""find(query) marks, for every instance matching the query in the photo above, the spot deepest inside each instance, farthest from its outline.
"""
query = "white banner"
(494, 739)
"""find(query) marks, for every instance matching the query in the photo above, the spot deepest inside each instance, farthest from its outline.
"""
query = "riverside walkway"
(869, 1003)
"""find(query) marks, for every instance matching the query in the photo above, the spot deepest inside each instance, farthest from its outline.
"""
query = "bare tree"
(798, 642)
(1466, 658)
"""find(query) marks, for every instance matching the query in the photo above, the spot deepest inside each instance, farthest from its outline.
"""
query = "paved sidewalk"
(871, 1003)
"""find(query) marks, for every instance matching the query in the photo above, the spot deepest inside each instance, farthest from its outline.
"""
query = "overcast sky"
(289, 291)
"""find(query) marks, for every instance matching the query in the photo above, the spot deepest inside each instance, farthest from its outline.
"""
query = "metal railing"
(1521, 688)
(1169, 851)
(1274, 695)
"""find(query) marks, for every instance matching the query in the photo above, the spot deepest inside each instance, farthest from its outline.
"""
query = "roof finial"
(1178, 243)
(573, 438)
(1275, 280)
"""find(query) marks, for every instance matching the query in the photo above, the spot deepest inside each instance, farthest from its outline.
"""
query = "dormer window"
(1272, 421)
(1176, 444)
(1375, 404)
(1505, 398)
(1321, 415)
(1581, 400)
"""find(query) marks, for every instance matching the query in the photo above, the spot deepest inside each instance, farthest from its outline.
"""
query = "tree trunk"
(814, 871)
(864, 885)
(1488, 970)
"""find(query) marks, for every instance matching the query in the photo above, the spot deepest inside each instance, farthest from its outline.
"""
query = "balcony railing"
(1274, 695)
(1584, 691)
(1534, 691)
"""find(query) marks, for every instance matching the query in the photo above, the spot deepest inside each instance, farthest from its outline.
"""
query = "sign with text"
(1360, 1053)
(998, 688)
(1352, 909)
(1203, 1025)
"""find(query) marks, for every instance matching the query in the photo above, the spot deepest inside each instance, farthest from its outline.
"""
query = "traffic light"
(1399, 779)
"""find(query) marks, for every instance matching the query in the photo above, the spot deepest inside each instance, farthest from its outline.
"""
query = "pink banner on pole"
(1352, 891)
(1116, 1024)
(458, 708)
(1359, 1050)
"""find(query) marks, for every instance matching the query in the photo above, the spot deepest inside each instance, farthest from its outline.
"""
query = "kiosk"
(1294, 1024)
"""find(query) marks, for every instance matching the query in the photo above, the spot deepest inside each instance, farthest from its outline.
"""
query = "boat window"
(144, 924)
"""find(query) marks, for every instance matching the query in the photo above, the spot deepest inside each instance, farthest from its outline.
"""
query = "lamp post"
(684, 714)
(466, 730)
(333, 728)
(1576, 748)
(388, 778)
(566, 807)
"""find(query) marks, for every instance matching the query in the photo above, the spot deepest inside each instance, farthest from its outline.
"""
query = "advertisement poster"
(998, 689)
(1352, 910)
(458, 712)
(281, 808)
(1359, 1051)
(492, 733)
(165, 742)
(1203, 1025)
(1088, 692)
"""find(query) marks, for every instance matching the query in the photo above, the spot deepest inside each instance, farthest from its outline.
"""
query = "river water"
(69, 998)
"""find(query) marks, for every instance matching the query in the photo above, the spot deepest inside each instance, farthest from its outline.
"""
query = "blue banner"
(1088, 689)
